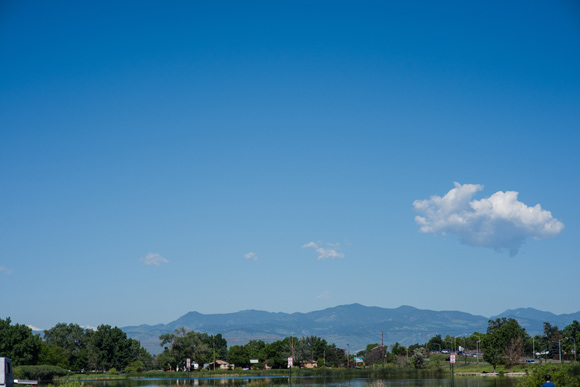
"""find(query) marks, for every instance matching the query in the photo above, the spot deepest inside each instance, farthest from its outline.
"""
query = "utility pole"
(383, 345)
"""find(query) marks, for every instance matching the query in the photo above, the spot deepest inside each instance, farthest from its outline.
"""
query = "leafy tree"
(398, 350)
(166, 360)
(278, 352)
(501, 341)
(240, 355)
(73, 339)
(552, 336)
(571, 338)
(435, 343)
(19, 343)
(53, 355)
(184, 344)
(335, 357)
(419, 358)
(112, 348)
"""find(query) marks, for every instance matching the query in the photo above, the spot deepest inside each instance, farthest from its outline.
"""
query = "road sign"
(188, 363)
(452, 358)
(290, 362)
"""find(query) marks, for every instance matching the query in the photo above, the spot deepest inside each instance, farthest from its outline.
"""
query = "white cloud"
(5, 270)
(153, 259)
(34, 328)
(325, 294)
(89, 327)
(251, 256)
(500, 222)
(325, 252)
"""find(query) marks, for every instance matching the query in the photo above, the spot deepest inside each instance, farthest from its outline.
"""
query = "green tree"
(184, 344)
(277, 353)
(240, 355)
(503, 340)
(419, 358)
(19, 343)
(73, 339)
(167, 360)
(112, 348)
(552, 336)
(53, 355)
(571, 338)
(435, 343)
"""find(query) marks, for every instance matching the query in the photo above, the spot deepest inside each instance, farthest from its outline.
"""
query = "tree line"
(72, 347)
(506, 342)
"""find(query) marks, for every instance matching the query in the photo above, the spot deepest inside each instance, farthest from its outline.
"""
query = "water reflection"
(307, 381)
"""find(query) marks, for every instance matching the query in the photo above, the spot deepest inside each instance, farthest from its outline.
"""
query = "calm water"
(307, 382)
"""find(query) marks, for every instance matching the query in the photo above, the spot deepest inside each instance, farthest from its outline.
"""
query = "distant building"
(220, 364)
(309, 364)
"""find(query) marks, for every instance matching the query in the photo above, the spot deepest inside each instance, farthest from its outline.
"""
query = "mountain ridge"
(353, 325)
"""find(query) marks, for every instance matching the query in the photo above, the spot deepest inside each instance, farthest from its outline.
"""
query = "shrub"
(41, 372)
(68, 383)
(135, 367)
(562, 375)
(113, 371)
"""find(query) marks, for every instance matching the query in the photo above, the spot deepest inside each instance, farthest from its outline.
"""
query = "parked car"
(530, 361)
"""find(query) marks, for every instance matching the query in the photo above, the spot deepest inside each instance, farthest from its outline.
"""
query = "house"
(220, 364)
(309, 364)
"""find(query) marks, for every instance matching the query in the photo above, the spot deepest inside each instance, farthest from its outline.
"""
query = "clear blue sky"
(165, 157)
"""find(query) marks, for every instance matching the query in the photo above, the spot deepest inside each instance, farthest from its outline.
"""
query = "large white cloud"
(500, 222)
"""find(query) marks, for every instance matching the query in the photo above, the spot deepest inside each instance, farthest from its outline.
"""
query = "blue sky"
(159, 158)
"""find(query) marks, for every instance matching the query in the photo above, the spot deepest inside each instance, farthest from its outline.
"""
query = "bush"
(113, 371)
(68, 383)
(41, 372)
(562, 375)
(135, 367)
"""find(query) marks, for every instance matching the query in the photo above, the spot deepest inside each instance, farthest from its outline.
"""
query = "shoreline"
(508, 374)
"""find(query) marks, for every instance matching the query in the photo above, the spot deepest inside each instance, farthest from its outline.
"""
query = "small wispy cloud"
(5, 270)
(323, 295)
(153, 259)
(89, 327)
(500, 222)
(251, 256)
(331, 251)
(34, 328)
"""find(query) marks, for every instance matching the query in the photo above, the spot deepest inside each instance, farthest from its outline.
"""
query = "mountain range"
(348, 326)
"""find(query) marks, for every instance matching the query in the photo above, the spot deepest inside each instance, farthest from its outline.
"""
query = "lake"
(307, 381)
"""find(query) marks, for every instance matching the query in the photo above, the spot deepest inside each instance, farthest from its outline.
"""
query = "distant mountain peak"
(355, 324)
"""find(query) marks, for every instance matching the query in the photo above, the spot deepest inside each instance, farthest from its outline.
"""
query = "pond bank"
(508, 374)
